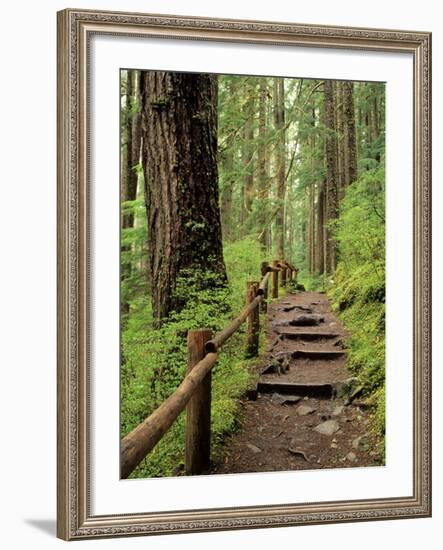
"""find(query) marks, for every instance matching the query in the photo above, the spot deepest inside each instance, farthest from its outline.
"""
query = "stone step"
(313, 320)
(311, 354)
(324, 391)
(307, 335)
(318, 354)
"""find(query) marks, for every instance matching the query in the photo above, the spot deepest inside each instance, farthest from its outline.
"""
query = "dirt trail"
(300, 418)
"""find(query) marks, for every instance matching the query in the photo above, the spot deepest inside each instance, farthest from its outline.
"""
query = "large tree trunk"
(349, 130)
(279, 117)
(331, 172)
(179, 114)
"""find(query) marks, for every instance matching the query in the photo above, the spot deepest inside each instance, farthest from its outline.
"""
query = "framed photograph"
(243, 274)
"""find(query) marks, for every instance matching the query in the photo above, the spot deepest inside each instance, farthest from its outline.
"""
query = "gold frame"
(73, 516)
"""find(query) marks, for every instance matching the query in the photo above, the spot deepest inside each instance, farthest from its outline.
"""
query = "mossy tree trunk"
(179, 120)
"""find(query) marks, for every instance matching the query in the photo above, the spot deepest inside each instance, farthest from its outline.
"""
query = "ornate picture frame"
(74, 517)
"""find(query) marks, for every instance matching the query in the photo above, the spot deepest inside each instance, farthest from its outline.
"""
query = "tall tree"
(227, 162)
(262, 163)
(350, 140)
(248, 151)
(130, 158)
(279, 121)
(179, 117)
(340, 129)
(331, 173)
(319, 240)
(131, 142)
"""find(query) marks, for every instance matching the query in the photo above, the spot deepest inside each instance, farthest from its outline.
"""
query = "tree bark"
(311, 200)
(279, 118)
(340, 129)
(331, 172)
(130, 157)
(262, 163)
(226, 195)
(132, 134)
(179, 115)
(228, 187)
(350, 172)
(248, 154)
(319, 250)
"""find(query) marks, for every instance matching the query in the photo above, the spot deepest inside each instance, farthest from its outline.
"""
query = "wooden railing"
(194, 393)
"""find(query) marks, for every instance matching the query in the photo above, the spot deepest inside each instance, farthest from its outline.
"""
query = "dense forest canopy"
(219, 173)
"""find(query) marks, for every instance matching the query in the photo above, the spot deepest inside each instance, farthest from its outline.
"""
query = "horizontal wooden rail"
(219, 339)
(264, 282)
(142, 439)
(138, 443)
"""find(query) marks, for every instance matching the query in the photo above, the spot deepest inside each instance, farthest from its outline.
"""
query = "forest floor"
(304, 413)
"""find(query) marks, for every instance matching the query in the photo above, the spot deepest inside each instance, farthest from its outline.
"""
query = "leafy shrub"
(154, 360)
(358, 291)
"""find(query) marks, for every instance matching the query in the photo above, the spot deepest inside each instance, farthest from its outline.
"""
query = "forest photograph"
(252, 274)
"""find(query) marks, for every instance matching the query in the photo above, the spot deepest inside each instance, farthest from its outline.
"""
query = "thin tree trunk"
(131, 136)
(312, 191)
(228, 187)
(319, 252)
(226, 195)
(350, 137)
(340, 129)
(262, 163)
(248, 155)
(179, 114)
(331, 171)
(133, 140)
(290, 229)
(279, 118)
(376, 120)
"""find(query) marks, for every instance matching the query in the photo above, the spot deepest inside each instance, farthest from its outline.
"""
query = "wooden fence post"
(264, 269)
(253, 321)
(198, 410)
(275, 279)
(283, 273)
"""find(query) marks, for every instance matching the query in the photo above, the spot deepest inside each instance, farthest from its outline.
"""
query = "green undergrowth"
(357, 290)
(313, 283)
(154, 360)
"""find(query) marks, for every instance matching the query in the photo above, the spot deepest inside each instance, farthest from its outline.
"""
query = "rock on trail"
(303, 413)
